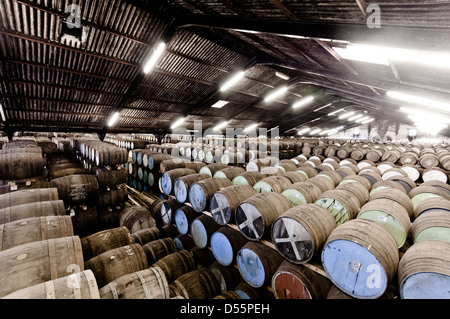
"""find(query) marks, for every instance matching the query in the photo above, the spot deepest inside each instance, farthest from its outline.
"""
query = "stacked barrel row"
(21, 165)
(318, 196)
(424, 161)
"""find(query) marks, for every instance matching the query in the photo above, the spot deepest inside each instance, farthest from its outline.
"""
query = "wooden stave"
(27, 264)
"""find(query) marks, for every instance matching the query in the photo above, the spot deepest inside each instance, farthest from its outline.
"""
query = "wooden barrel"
(111, 177)
(345, 171)
(159, 248)
(105, 240)
(168, 178)
(168, 209)
(171, 164)
(295, 177)
(272, 184)
(324, 183)
(413, 172)
(28, 196)
(230, 294)
(371, 176)
(358, 190)
(397, 196)
(434, 225)
(374, 155)
(37, 262)
(299, 282)
(302, 193)
(255, 215)
(200, 192)
(225, 244)
(429, 160)
(435, 174)
(359, 179)
(386, 185)
(390, 215)
(21, 165)
(211, 169)
(136, 218)
(309, 172)
(77, 189)
(79, 285)
(202, 256)
(248, 178)
(196, 166)
(105, 156)
(229, 172)
(424, 271)
(286, 167)
(224, 202)
(84, 220)
(361, 257)
(116, 263)
(184, 242)
(182, 185)
(176, 264)
(183, 218)
(257, 263)
(67, 171)
(228, 277)
(333, 176)
(300, 232)
(34, 229)
(196, 284)
(245, 291)
(439, 184)
(147, 235)
(154, 160)
(258, 164)
(112, 197)
(421, 193)
(342, 205)
(391, 156)
(432, 204)
(406, 182)
(36, 209)
(149, 283)
(201, 230)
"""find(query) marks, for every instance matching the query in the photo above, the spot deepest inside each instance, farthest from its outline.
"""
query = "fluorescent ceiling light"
(303, 131)
(324, 132)
(362, 119)
(322, 107)
(282, 75)
(382, 55)
(232, 81)
(418, 100)
(355, 117)
(220, 126)
(303, 101)
(367, 121)
(219, 104)
(345, 115)
(251, 127)
(2, 113)
(177, 123)
(313, 132)
(153, 60)
(276, 93)
(362, 53)
(424, 115)
(335, 112)
(113, 119)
